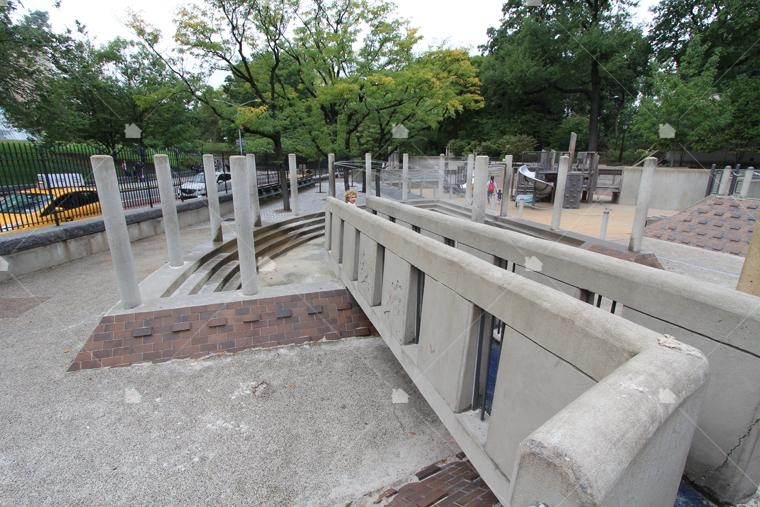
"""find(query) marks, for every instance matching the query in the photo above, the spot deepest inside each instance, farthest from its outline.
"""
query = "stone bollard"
(439, 194)
(559, 192)
(241, 200)
(470, 176)
(725, 181)
(479, 192)
(506, 186)
(520, 209)
(331, 174)
(747, 183)
(605, 222)
(253, 182)
(116, 230)
(405, 177)
(368, 173)
(168, 210)
(293, 183)
(642, 204)
(212, 196)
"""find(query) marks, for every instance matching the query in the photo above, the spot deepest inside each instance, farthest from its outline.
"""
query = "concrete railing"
(724, 324)
(588, 408)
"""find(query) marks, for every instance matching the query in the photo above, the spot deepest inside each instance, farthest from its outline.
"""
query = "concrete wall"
(722, 323)
(675, 188)
(563, 371)
(37, 249)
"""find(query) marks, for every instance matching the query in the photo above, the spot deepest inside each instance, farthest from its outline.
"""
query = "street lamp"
(240, 128)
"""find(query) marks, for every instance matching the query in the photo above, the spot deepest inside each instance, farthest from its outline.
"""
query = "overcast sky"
(458, 23)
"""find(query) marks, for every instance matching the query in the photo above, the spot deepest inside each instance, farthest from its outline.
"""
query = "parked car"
(196, 186)
(35, 207)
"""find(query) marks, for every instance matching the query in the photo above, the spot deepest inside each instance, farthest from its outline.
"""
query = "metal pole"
(168, 209)
(240, 140)
(642, 203)
(116, 230)
(241, 202)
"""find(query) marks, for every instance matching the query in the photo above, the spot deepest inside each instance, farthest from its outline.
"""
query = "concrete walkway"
(308, 425)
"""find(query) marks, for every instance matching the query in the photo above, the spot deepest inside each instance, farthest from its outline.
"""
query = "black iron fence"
(53, 184)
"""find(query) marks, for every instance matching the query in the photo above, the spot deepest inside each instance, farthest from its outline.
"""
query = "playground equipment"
(541, 188)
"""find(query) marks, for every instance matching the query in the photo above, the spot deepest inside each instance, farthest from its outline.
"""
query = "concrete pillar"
(642, 203)
(520, 209)
(405, 177)
(241, 201)
(559, 191)
(253, 183)
(605, 223)
(368, 172)
(748, 173)
(212, 194)
(168, 210)
(116, 230)
(441, 175)
(470, 175)
(749, 280)
(506, 185)
(725, 181)
(479, 192)
(293, 183)
(331, 174)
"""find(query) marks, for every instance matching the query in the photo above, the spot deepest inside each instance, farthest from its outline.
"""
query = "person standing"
(491, 188)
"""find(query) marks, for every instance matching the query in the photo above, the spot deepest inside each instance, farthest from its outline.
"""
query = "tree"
(563, 58)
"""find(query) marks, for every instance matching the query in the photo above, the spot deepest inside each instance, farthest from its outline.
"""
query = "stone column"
(241, 200)
(470, 175)
(749, 280)
(479, 192)
(559, 191)
(168, 210)
(642, 203)
(293, 183)
(506, 185)
(253, 182)
(725, 181)
(748, 173)
(441, 175)
(116, 230)
(331, 174)
(405, 178)
(212, 196)
(368, 173)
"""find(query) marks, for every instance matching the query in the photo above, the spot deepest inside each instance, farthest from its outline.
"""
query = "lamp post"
(240, 128)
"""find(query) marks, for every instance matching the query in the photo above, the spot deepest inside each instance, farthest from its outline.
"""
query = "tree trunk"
(596, 99)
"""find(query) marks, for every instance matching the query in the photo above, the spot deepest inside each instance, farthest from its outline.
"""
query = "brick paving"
(198, 331)
(719, 224)
(452, 484)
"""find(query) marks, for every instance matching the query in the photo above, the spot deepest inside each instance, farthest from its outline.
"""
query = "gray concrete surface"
(320, 430)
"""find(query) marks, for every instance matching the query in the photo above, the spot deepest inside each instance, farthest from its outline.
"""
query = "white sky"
(458, 23)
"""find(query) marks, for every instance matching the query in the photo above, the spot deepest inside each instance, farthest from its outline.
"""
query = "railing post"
(642, 203)
(253, 181)
(605, 222)
(241, 201)
(116, 230)
(168, 209)
(559, 191)
(293, 183)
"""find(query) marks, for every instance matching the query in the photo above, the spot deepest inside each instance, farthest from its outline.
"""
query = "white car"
(196, 186)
